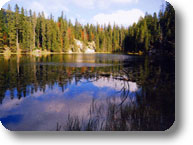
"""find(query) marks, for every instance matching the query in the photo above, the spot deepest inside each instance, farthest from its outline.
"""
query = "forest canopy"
(23, 30)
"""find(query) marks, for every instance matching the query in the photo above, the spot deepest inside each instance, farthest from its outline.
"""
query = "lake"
(87, 92)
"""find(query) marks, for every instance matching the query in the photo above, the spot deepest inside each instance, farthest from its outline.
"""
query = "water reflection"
(86, 92)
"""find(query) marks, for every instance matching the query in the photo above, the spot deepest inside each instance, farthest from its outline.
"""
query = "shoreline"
(50, 53)
(47, 53)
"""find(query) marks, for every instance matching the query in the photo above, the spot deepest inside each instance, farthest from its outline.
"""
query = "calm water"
(87, 92)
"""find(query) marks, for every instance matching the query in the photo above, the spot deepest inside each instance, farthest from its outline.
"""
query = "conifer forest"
(26, 31)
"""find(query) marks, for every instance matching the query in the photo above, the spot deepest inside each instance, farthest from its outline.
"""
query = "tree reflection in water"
(149, 107)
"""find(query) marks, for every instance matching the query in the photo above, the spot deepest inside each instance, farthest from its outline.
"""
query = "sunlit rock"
(85, 48)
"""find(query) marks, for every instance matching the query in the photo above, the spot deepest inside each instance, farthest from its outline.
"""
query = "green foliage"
(153, 34)
(11, 29)
(23, 30)
(1, 30)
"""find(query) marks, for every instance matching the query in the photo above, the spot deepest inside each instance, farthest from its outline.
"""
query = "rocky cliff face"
(91, 48)
(81, 47)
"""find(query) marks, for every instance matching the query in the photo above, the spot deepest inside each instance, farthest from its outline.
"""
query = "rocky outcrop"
(91, 48)
(78, 46)
(81, 47)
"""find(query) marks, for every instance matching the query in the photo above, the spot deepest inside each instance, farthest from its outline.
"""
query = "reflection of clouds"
(38, 94)
(54, 107)
(86, 95)
(42, 111)
(116, 84)
(55, 91)
(45, 113)
(10, 104)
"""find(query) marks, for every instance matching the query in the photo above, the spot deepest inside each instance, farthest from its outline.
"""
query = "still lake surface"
(87, 92)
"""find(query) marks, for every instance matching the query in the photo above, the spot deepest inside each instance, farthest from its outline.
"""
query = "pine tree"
(11, 29)
(22, 30)
(66, 42)
(48, 35)
(37, 31)
(34, 22)
(97, 43)
(43, 27)
(17, 27)
(1, 31)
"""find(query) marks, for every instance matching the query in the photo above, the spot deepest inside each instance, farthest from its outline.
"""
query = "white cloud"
(48, 6)
(55, 7)
(120, 17)
(124, 1)
(38, 7)
(100, 3)
(84, 3)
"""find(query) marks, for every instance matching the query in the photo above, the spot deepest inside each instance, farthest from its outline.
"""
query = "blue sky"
(122, 12)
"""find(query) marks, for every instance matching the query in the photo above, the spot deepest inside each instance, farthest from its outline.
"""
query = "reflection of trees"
(23, 76)
(152, 109)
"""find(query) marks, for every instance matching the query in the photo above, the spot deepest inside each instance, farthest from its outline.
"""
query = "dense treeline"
(24, 30)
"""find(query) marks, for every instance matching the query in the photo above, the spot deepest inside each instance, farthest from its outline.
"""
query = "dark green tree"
(1, 31)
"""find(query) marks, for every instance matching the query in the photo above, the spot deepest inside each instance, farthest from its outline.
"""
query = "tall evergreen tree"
(17, 26)
(1, 31)
(11, 29)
